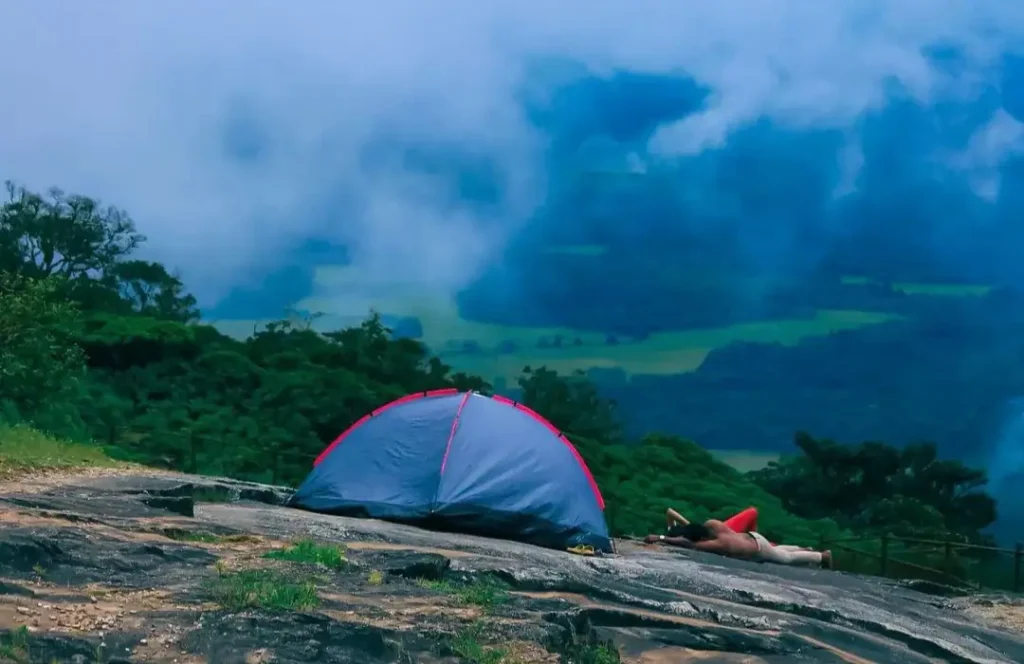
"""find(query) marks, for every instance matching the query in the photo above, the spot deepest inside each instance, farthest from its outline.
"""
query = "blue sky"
(426, 136)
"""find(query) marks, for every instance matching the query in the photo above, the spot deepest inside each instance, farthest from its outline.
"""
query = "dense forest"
(97, 345)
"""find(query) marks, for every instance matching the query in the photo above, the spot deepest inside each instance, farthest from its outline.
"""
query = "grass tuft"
(24, 450)
(599, 653)
(14, 646)
(264, 589)
(308, 551)
(466, 645)
(487, 593)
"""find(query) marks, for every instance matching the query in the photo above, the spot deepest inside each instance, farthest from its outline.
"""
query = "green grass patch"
(23, 449)
(487, 593)
(14, 646)
(593, 653)
(308, 551)
(263, 589)
(920, 288)
(663, 353)
(499, 352)
(943, 290)
(467, 645)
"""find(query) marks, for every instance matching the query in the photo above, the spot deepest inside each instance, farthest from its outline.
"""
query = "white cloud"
(1000, 138)
(128, 101)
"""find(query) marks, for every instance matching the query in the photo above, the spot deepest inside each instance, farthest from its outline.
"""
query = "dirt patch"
(38, 480)
(1006, 616)
(684, 655)
(89, 610)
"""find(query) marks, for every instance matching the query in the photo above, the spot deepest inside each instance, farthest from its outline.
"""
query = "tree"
(70, 236)
(571, 403)
(876, 487)
(149, 289)
(39, 362)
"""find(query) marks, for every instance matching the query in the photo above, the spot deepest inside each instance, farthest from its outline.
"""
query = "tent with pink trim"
(461, 462)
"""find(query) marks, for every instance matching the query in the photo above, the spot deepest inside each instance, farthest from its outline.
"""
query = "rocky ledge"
(151, 567)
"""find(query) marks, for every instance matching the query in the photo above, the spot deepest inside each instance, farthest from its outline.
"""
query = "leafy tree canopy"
(876, 487)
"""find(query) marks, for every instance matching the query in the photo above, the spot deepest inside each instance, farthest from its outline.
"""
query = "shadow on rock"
(72, 557)
(297, 637)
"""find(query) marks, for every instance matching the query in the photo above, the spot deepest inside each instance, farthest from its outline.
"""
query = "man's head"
(695, 532)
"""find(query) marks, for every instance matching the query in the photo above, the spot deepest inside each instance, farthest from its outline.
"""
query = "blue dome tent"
(462, 462)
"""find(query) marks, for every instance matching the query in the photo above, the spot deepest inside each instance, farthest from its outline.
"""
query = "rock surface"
(159, 567)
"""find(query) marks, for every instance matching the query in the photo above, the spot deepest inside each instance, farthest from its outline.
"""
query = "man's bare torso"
(732, 543)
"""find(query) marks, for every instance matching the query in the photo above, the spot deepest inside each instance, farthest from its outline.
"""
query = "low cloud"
(409, 131)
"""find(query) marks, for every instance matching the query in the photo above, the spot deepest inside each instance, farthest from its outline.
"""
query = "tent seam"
(448, 447)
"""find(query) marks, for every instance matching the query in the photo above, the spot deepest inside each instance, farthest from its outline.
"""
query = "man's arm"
(665, 539)
(708, 546)
(681, 542)
(673, 517)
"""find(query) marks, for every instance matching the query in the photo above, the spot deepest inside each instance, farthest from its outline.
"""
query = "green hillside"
(105, 350)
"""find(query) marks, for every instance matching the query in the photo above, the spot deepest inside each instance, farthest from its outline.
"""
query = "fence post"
(885, 554)
(193, 443)
(274, 466)
(949, 556)
(1018, 553)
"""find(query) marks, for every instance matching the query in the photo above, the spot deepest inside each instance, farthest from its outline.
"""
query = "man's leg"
(791, 555)
(743, 522)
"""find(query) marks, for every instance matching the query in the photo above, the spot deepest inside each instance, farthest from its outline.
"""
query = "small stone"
(143, 642)
(24, 611)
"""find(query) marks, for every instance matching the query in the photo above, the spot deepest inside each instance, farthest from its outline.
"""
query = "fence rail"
(959, 560)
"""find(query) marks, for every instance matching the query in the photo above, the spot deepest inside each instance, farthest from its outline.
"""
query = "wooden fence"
(941, 561)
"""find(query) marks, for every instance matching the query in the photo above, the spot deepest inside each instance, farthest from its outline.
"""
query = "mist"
(427, 140)
(1005, 466)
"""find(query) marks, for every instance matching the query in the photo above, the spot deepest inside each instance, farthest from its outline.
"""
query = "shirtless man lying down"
(713, 536)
